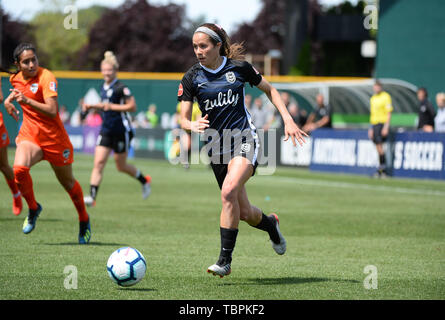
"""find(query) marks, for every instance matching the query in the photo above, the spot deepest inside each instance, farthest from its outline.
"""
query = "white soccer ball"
(126, 266)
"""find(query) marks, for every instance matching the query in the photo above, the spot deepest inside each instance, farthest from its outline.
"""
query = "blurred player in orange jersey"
(5, 168)
(42, 136)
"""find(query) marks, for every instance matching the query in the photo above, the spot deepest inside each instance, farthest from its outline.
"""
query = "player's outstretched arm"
(290, 127)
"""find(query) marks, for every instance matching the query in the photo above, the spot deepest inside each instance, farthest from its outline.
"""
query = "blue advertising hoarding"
(348, 151)
(408, 154)
(419, 155)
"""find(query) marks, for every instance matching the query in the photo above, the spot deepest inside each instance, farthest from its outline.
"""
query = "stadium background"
(335, 224)
(408, 56)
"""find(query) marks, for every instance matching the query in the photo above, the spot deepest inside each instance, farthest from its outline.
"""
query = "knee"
(120, 167)
(99, 165)
(68, 184)
(228, 193)
(4, 168)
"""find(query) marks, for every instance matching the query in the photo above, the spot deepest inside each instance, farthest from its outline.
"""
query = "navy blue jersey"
(220, 95)
(115, 121)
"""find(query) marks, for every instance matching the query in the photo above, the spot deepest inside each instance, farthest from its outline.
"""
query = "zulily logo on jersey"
(222, 100)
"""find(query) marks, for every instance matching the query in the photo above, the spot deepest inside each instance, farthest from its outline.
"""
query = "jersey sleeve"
(126, 93)
(49, 85)
(251, 74)
(185, 89)
(388, 103)
(123, 92)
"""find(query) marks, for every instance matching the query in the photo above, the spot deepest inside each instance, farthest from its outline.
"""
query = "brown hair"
(16, 55)
(230, 50)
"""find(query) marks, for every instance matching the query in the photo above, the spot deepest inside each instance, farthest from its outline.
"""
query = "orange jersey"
(4, 138)
(48, 133)
(38, 127)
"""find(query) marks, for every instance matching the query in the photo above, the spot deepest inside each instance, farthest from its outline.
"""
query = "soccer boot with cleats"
(30, 222)
(280, 248)
(220, 268)
(146, 187)
(84, 232)
(17, 204)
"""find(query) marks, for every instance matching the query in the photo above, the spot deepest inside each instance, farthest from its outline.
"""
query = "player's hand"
(385, 131)
(296, 134)
(200, 125)
(11, 109)
(85, 107)
(106, 106)
(370, 134)
(18, 96)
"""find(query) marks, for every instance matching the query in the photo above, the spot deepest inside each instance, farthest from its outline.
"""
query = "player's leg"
(239, 170)
(378, 140)
(257, 219)
(101, 154)
(123, 166)
(8, 173)
(27, 154)
(65, 177)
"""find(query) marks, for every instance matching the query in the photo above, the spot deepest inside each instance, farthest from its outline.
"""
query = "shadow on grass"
(288, 280)
(137, 289)
(92, 243)
(22, 217)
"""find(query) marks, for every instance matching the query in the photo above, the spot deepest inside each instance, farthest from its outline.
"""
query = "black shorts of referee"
(377, 137)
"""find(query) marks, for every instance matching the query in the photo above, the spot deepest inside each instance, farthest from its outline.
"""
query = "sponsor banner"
(90, 135)
(348, 151)
(83, 138)
(151, 143)
(419, 155)
(295, 156)
(76, 137)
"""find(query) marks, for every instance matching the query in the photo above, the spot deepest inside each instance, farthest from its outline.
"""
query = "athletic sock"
(267, 224)
(140, 177)
(382, 162)
(13, 186)
(76, 195)
(228, 240)
(382, 159)
(23, 181)
(93, 191)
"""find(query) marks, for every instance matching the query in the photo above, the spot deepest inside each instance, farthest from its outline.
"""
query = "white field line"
(348, 185)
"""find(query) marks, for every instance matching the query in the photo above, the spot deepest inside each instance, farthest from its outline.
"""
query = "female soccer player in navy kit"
(217, 81)
(116, 132)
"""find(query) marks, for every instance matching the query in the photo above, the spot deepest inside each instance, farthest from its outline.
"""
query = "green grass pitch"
(335, 226)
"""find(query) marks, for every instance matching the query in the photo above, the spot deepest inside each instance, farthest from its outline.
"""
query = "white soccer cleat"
(146, 190)
(89, 201)
(146, 187)
(221, 271)
(280, 248)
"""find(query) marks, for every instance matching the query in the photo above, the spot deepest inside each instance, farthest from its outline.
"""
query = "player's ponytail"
(110, 58)
(230, 50)
(7, 71)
